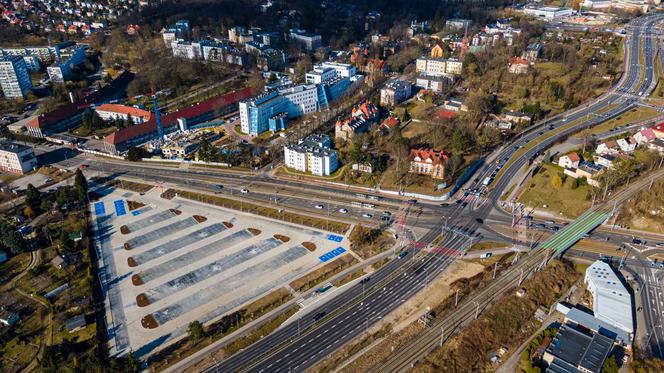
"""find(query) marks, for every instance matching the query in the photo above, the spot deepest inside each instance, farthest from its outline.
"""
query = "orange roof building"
(428, 162)
(115, 111)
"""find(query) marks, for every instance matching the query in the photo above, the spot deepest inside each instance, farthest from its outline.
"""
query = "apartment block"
(313, 154)
(14, 78)
(16, 158)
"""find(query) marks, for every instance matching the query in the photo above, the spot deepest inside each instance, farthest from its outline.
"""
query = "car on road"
(365, 280)
(403, 254)
(244, 191)
(343, 211)
(84, 166)
(638, 241)
(319, 315)
(367, 215)
(485, 255)
(661, 244)
(319, 206)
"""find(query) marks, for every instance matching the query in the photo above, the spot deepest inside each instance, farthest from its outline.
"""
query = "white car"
(244, 191)
(368, 216)
(319, 206)
(343, 211)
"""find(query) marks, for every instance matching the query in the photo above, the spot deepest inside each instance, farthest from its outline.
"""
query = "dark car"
(319, 315)
(637, 241)
(365, 280)
(403, 254)
(479, 220)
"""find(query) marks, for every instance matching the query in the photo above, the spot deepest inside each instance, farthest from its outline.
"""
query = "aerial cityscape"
(332, 186)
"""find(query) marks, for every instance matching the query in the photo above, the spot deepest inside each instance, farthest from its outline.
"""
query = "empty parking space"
(160, 233)
(148, 220)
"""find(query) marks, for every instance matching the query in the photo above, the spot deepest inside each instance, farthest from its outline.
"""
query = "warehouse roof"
(612, 302)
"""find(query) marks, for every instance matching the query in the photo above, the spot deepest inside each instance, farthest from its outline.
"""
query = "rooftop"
(573, 348)
(612, 302)
(122, 109)
(12, 147)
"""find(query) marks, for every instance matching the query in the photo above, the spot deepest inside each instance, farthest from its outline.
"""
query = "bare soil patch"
(134, 205)
(136, 280)
(124, 229)
(176, 212)
(309, 246)
(142, 300)
(131, 262)
(149, 322)
(282, 238)
(200, 218)
(254, 231)
(228, 225)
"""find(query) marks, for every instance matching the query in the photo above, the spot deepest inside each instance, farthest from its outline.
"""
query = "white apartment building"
(344, 70)
(454, 66)
(438, 66)
(14, 78)
(547, 12)
(312, 154)
(16, 158)
(320, 74)
(307, 40)
(394, 92)
(187, 49)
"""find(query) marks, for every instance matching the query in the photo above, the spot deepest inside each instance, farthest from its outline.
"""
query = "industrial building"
(573, 351)
(612, 302)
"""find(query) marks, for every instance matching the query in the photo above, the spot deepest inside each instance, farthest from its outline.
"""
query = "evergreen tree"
(80, 186)
(32, 197)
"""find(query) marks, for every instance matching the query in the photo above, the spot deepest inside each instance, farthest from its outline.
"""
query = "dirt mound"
(136, 279)
(124, 229)
(134, 205)
(131, 262)
(228, 225)
(176, 212)
(126, 246)
(200, 218)
(309, 246)
(149, 322)
(254, 231)
(142, 300)
(282, 238)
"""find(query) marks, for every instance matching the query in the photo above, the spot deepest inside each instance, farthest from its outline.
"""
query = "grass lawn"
(413, 183)
(13, 266)
(413, 128)
(8, 178)
(323, 273)
(336, 175)
(486, 245)
(563, 201)
(19, 347)
(417, 109)
(634, 115)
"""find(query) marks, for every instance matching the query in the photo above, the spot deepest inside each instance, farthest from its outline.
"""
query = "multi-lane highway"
(300, 345)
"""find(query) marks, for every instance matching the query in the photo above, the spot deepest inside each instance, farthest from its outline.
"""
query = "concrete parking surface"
(171, 262)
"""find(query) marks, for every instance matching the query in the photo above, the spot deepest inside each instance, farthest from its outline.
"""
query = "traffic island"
(254, 231)
(126, 246)
(176, 212)
(124, 230)
(136, 280)
(228, 225)
(200, 219)
(131, 262)
(149, 322)
(142, 300)
(133, 205)
(282, 238)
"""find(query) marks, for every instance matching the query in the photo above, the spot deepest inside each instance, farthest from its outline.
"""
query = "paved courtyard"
(169, 262)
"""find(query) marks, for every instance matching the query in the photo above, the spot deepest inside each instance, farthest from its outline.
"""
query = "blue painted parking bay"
(119, 207)
(335, 238)
(99, 208)
(136, 212)
(332, 254)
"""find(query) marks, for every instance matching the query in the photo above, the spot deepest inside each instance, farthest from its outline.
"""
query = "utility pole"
(477, 310)
(442, 333)
(495, 267)
(456, 298)
(521, 276)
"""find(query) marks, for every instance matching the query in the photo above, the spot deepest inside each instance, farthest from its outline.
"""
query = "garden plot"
(171, 262)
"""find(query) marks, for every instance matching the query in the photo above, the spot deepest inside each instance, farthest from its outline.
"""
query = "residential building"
(626, 145)
(437, 51)
(428, 162)
(547, 12)
(644, 136)
(114, 111)
(574, 350)
(612, 301)
(63, 68)
(608, 147)
(14, 77)
(216, 52)
(389, 123)
(518, 117)
(458, 23)
(345, 70)
(307, 40)
(59, 262)
(532, 52)
(606, 160)
(394, 92)
(75, 323)
(433, 83)
(569, 160)
(431, 66)
(269, 58)
(590, 172)
(187, 49)
(518, 65)
(453, 66)
(8, 318)
(320, 74)
(418, 28)
(366, 167)
(657, 145)
(361, 117)
(121, 140)
(313, 155)
(16, 158)
(454, 105)
(32, 63)
(658, 130)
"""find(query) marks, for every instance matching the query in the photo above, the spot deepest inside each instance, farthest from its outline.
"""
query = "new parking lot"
(165, 263)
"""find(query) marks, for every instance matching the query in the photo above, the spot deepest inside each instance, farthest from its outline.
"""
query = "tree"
(610, 365)
(256, 81)
(195, 331)
(556, 181)
(28, 212)
(303, 66)
(11, 240)
(460, 140)
(32, 197)
(135, 154)
(80, 186)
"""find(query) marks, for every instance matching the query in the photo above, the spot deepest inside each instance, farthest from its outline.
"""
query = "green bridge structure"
(568, 236)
